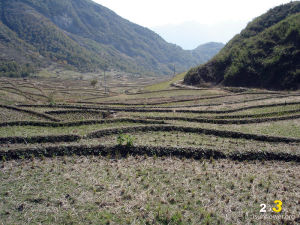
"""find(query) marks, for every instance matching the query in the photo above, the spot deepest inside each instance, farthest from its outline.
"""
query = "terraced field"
(160, 154)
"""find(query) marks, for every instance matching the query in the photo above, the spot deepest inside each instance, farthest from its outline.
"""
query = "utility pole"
(104, 82)
(174, 70)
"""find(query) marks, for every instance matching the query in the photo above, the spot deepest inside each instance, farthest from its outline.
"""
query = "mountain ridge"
(84, 35)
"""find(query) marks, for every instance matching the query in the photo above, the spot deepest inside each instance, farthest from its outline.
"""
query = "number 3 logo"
(278, 205)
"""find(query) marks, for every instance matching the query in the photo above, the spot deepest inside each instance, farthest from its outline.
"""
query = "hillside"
(208, 50)
(266, 54)
(85, 36)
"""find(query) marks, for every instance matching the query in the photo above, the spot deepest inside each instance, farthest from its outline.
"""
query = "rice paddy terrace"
(161, 154)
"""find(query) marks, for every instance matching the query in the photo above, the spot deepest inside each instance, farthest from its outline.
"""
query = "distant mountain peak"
(190, 34)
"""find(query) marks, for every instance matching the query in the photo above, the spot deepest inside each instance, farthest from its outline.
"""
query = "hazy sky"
(157, 13)
(151, 13)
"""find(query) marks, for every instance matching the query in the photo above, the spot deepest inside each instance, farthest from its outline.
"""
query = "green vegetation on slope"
(266, 54)
(12, 69)
(46, 38)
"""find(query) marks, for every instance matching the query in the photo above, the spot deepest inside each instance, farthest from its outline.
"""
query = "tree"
(94, 82)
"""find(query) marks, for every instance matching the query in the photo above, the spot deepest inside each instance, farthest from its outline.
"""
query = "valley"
(102, 121)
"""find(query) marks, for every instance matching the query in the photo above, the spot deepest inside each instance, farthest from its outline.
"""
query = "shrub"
(51, 100)
(94, 82)
(125, 139)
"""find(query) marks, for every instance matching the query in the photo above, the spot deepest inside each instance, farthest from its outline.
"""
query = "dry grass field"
(144, 153)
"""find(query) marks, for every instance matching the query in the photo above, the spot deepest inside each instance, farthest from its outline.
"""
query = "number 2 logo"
(278, 205)
(263, 209)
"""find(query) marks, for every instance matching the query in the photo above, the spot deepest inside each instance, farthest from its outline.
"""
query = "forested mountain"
(85, 36)
(265, 54)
